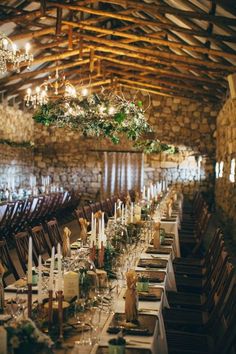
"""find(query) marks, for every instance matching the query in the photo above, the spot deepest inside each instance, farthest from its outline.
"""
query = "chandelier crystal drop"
(50, 88)
(10, 54)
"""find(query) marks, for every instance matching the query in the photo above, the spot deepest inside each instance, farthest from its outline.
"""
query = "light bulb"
(29, 91)
(14, 48)
(27, 48)
(4, 43)
(111, 110)
(84, 91)
(37, 89)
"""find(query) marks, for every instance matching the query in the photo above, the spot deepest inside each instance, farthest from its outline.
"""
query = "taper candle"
(29, 273)
(50, 284)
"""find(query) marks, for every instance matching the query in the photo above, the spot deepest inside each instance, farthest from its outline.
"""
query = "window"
(221, 168)
(217, 167)
(122, 171)
(232, 171)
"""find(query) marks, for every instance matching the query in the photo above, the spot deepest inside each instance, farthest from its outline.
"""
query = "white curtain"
(122, 171)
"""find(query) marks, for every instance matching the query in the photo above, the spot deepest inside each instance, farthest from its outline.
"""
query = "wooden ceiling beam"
(173, 59)
(146, 78)
(165, 89)
(46, 70)
(153, 69)
(194, 7)
(164, 8)
(25, 16)
(148, 39)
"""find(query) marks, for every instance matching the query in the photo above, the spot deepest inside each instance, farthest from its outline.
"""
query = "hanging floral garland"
(96, 116)
(102, 115)
(149, 146)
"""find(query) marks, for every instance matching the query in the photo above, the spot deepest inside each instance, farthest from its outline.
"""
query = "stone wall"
(16, 162)
(225, 191)
(77, 162)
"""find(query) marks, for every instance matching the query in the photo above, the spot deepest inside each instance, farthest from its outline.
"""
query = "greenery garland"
(96, 116)
(149, 146)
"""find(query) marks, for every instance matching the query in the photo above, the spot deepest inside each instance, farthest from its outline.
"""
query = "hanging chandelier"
(10, 54)
(49, 89)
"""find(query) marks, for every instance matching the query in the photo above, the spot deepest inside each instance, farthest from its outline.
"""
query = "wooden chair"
(198, 285)
(87, 212)
(53, 232)
(95, 207)
(198, 266)
(23, 221)
(39, 239)
(200, 320)
(22, 247)
(204, 298)
(7, 218)
(7, 262)
(219, 338)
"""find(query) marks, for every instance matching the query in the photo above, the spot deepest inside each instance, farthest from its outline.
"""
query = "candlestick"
(59, 286)
(122, 214)
(40, 298)
(50, 312)
(29, 300)
(50, 284)
(29, 270)
(99, 233)
(148, 194)
(60, 313)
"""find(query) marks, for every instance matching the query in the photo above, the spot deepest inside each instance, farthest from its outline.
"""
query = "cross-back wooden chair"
(87, 212)
(23, 221)
(7, 218)
(22, 248)
(220, 333)
(35, 210)
(7, 262)
(53, 231)
(202, 284)
(39, 239)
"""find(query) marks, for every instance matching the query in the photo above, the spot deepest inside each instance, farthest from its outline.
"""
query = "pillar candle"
(40, 294)
(29, 274)
(50, 284)
(59, 287)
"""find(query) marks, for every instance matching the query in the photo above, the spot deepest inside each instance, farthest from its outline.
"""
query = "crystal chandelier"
(50, 88)
(9, 54)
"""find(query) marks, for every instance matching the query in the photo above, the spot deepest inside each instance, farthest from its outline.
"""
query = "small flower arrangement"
(24, 337)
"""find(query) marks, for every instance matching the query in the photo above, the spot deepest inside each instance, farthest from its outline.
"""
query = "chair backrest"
(95, 207)
(53, 232)
(110, 207)
(7, 216)
(225, 325)
(22, 248)
(87, 212)
(40, 240)
(7, 261)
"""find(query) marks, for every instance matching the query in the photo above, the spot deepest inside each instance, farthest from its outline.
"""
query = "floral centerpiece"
(24, 337)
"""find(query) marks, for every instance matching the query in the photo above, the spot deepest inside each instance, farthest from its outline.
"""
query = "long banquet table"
(156, 343)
